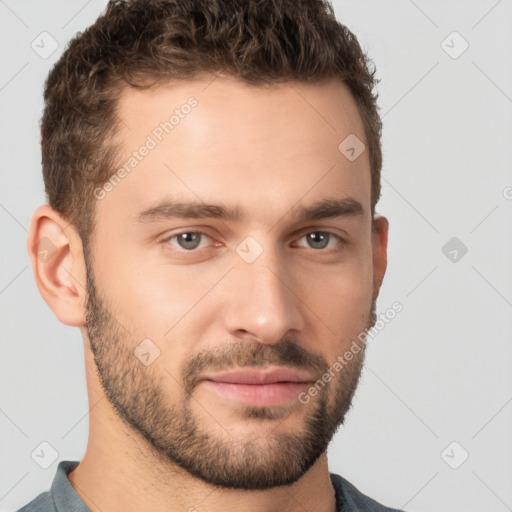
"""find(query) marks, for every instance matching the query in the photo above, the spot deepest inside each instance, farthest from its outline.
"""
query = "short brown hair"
(143, 43)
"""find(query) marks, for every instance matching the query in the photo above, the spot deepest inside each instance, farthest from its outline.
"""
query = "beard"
(179, 436)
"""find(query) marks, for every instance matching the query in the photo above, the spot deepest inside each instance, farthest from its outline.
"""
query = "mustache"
(251, 354)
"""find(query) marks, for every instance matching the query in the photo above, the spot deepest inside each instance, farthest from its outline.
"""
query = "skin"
(267, 150)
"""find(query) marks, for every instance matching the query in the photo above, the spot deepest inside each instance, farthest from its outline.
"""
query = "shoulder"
(41, 503)
(351, 499)
(61, 495)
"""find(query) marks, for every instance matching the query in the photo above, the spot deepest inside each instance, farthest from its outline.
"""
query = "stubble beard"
(176, 433)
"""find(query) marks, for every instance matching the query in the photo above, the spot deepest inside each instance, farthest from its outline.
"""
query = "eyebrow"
(323, 209)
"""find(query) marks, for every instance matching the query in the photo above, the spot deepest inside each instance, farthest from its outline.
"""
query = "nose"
(260, 301)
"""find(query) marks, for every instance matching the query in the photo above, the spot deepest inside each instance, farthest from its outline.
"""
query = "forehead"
(216, 138)
(258, 112)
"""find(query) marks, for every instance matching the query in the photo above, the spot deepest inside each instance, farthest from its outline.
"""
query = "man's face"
(207, 328)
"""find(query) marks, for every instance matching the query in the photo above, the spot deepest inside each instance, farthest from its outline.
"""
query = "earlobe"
(56, 254)
(380, 228)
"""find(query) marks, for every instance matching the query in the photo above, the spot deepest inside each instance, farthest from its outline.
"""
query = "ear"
(380, 227)
(56, 254)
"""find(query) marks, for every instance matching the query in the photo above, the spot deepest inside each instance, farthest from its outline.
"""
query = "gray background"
(440, 372)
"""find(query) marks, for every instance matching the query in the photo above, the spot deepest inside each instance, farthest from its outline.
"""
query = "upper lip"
(269, 375)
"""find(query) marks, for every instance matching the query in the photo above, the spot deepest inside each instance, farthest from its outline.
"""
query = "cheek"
(171, 305)
(343, 305)
(340, 300)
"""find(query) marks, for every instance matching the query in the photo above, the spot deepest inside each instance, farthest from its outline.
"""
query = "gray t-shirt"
(63, 498)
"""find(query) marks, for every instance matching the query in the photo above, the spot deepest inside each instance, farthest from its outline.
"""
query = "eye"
(321, 239)
(187, 240)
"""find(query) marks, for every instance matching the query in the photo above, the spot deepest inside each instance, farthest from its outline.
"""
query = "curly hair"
(144, 43)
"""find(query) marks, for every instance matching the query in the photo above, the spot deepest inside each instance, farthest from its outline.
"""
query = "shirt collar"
(64, 496)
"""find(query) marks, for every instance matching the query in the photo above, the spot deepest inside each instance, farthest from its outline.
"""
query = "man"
(212, 170)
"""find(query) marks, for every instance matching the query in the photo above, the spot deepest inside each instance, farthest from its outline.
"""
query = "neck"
(109, 481)
(122, 472)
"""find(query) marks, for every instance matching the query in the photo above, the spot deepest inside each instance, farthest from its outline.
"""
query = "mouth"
(259, 387)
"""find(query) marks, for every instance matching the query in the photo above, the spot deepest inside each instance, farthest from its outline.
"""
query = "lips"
(258, 377)
(258, 387)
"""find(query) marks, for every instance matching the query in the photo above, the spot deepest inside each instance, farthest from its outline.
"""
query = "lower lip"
(258, 395)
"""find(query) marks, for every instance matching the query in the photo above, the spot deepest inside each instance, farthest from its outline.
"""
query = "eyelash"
(341, 241)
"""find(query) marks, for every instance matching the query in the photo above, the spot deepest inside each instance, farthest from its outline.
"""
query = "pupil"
(188, 240)
(319, 240)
